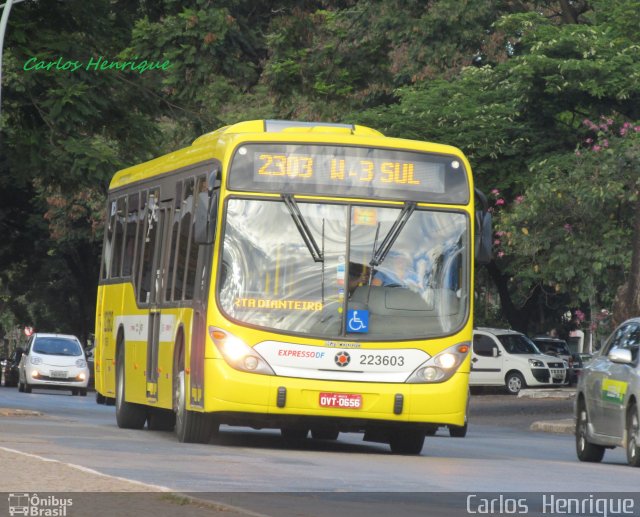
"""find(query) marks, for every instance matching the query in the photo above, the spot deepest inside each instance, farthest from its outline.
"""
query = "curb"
(564, 426)
(548, 393)
(19, 412)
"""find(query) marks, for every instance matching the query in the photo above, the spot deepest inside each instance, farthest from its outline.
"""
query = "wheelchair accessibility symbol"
(357, 320)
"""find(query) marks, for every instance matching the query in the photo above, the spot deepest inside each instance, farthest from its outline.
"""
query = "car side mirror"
(620, 356)
(496, 352)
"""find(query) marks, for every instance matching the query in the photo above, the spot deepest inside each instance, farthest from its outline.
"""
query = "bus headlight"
(440, 367)
(238, 354)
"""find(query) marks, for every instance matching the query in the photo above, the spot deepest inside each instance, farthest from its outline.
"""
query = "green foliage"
(510, 83)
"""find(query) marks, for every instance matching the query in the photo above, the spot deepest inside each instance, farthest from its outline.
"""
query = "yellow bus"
(310, 277)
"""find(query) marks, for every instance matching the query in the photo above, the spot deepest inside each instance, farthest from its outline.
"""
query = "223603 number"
(381, 360)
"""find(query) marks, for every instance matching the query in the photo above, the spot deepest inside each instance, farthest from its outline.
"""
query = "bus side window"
(118, 237)
(131, 230)
(173, 245)
(148, 243)
(107, 248)
(183, 239)
(140, 236)
(192, 260)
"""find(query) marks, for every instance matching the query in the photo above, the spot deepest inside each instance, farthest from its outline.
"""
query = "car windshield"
(57, 346)
(518, 344)
(303, 268)
(553, 347)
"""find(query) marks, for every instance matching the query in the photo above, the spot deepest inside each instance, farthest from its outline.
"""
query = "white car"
(53, 361)
(509, 358)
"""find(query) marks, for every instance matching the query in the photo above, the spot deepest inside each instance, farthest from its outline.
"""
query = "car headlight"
(35, 360)
(440, 367)
(238, 354)
(81, 363)
(536, 363)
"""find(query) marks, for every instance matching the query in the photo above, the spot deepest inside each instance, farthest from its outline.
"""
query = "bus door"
(157, 237)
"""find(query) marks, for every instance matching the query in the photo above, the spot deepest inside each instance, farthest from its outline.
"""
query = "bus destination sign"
(349, 171)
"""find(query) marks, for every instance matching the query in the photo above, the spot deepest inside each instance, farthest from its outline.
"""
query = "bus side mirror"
(484, 231)
(205, 223)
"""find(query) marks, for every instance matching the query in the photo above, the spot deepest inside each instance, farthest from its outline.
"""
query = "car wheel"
(27, 388)
(514, 382)
(74, 392)
(586, 450)
(407, 442)
(128, 415)
(20, 387)
(633, 437)
(83, 392)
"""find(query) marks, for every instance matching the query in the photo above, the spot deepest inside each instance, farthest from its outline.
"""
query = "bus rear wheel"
(407, 442)
(128, 415)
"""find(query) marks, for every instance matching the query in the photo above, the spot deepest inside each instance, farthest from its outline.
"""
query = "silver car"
(608, 396)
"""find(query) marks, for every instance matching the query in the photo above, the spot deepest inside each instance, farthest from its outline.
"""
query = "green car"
(607, 398)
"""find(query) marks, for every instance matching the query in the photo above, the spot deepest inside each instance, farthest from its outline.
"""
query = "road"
(498, 454)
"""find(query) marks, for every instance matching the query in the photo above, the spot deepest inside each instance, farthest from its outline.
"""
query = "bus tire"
(407, 441)
(128, 415)
(100, 399)
(458, 431)
(294, 436)
(191, 426)
(161, 420)
(585, 450)
(324, 433)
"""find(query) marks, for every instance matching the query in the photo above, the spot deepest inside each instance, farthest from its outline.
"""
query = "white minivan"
(509, 358)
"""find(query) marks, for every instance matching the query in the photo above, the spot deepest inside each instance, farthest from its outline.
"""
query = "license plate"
(341, 400)
(58, 374)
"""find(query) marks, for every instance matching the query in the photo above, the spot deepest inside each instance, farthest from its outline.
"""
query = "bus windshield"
(268, 277)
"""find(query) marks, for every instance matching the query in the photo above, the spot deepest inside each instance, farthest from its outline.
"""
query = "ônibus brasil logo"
(342, 359)
(34, 505)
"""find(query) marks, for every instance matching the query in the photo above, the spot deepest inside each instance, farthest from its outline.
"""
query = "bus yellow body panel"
(157, 195)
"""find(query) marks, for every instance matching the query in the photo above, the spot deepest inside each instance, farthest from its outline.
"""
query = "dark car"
(89, 353)
(559, 348)
(10, 368)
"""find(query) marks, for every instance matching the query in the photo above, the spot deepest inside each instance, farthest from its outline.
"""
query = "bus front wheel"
(191, 426)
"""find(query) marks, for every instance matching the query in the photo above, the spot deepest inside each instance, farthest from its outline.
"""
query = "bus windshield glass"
(268, 277)
(349, 171)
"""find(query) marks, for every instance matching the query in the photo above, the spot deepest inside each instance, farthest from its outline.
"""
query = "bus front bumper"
(248, 399)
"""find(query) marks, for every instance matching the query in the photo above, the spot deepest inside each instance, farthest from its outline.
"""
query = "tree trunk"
(627, 302)
(519, 318)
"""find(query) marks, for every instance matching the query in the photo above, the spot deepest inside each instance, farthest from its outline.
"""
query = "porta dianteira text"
(94, 65)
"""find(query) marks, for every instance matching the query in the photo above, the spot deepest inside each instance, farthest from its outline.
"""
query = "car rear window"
(57, 346)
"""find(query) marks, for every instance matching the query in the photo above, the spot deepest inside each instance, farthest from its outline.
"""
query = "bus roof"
(202, 148)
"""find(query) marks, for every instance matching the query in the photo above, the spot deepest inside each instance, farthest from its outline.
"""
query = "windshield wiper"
(316, 253)
(381, 253)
